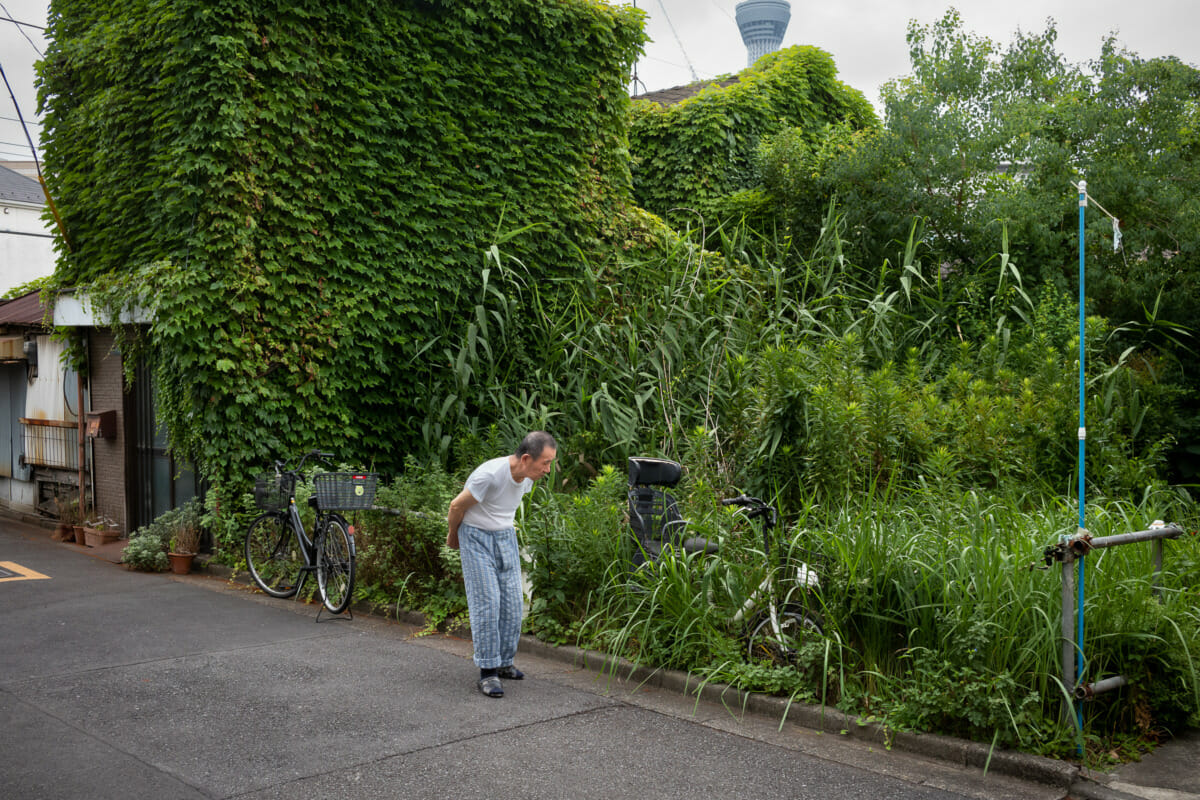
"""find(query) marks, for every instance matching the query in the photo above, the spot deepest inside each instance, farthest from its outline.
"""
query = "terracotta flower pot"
(181, 563)
(98, 536)
(80, 535)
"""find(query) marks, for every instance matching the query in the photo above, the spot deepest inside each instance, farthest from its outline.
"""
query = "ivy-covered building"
(303, 195)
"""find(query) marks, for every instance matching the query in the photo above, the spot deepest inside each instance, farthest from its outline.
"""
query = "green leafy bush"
(148, 545)
(704, 147)
(146, 551)
(403, 559)
(571, 542)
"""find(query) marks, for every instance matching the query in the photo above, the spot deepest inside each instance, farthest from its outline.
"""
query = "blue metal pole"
(1080, 582)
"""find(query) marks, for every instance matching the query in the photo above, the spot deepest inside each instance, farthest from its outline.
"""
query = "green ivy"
(298, 192)
(703, 148)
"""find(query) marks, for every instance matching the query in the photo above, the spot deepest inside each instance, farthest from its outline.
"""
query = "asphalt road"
(116, 684)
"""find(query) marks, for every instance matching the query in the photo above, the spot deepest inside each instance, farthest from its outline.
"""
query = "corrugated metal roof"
(25, 310)
(16, 188)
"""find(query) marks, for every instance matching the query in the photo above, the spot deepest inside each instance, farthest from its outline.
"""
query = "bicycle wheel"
(782, 648)
(335, 565)
(273, 555)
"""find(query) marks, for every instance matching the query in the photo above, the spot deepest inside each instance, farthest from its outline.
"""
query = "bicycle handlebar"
(281, 466)
(742, 500)
(755, 509)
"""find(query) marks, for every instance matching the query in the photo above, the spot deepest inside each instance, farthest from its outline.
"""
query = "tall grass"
(939, 615)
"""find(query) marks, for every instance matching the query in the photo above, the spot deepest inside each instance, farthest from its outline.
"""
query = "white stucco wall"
(26, 245)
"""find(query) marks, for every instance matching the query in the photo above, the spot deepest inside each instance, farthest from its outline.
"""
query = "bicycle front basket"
(344, 491)
(272, 490)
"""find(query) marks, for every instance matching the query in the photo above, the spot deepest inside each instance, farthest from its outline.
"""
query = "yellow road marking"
(23, 573)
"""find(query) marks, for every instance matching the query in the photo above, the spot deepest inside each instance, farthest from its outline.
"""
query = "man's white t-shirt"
(498, 494)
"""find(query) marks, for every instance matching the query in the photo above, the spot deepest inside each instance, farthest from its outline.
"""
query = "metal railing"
(1067, 553)
(50, 443)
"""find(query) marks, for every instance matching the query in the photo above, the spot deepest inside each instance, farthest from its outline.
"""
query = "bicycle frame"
(774, 626)
(308, 546)
(327, 550)
(807, 578)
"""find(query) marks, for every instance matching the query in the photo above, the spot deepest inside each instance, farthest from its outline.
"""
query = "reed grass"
(916, 424)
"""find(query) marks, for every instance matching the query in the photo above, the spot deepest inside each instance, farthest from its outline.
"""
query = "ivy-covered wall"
(300, 191)
(703, 148)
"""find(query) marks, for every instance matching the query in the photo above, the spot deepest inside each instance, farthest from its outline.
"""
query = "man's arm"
(458, 507)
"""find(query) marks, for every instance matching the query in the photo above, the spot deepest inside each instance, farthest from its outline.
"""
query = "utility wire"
(20, 117)
(19, 22)
(678, 41)
(21, 26)
(36, 161)
(723, 10)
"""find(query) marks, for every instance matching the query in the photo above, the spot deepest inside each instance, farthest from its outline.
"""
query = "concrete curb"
(26, 517)
(828, 720)
(1086, 789)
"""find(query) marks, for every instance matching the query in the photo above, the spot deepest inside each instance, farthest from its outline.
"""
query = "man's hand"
(458, 507)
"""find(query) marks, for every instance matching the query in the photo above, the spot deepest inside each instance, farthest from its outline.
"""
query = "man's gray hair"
(534, 443)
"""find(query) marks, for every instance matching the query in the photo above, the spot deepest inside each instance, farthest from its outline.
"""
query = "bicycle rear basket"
(272, 490)
(344, 491)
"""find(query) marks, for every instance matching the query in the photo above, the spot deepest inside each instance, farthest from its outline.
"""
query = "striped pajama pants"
(491, 568)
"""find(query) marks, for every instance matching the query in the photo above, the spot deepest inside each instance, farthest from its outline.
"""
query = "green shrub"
(148, 545)
(704, 147)
(146, 551)
(570, 543)
(296, 202)
(403, 559)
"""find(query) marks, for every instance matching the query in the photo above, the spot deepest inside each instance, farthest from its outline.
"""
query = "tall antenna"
(635, 80)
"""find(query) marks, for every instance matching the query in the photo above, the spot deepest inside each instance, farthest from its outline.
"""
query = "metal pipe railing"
(1067, 552)
(1082, 543)
(1089, 691)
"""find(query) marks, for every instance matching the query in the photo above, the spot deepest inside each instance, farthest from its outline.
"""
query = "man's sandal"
(491, 686)
(510, 673)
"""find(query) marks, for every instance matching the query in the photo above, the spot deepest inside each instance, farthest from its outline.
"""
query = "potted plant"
(100, 533)
(69, 516)
(185, 539)
(147, 548)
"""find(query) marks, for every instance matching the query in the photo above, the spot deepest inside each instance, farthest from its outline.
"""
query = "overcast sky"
(865, 38)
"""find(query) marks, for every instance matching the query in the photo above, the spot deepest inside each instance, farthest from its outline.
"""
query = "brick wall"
(107, 383)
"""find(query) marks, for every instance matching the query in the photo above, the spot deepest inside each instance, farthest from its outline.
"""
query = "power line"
(21, 27)
(19, 22)
(678, 41)
(24, 127)
(723, 10)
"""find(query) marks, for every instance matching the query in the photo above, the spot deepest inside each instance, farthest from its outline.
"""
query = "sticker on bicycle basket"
(358, 491)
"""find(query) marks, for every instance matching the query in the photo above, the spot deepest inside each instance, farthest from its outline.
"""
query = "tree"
(979, 155)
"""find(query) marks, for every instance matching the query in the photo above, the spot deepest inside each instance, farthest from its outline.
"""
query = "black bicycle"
(781, 614)
(281, 553)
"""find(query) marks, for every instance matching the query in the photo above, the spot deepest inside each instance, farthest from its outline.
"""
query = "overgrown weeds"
(917, 427)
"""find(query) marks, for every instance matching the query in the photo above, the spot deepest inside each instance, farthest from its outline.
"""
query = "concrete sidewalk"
(581, 716)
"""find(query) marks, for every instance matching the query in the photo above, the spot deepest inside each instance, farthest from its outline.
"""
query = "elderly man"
(481, 521)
